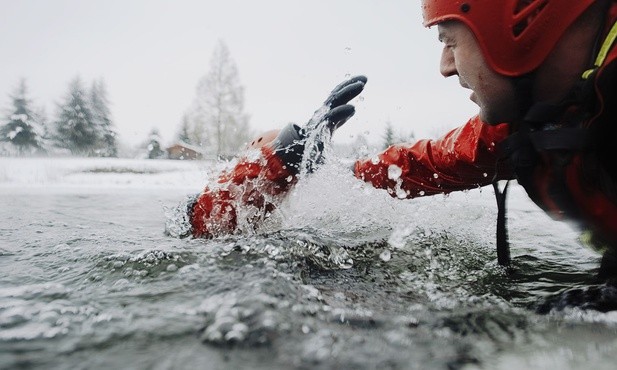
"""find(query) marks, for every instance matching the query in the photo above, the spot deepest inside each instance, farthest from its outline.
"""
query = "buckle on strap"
(560, 139)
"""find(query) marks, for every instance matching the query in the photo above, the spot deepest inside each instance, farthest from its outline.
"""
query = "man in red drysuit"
(543, 73)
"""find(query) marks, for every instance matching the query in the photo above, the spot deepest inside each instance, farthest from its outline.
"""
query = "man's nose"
(447, 66)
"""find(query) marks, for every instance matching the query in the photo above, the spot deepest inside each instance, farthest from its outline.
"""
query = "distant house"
(184, 151)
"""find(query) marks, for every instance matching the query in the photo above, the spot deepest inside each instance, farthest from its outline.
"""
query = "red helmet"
(515, 35)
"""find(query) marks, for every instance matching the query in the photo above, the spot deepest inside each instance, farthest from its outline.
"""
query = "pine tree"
(360, 146)
(218, 110)
(101, 116)
(408, 137)
(184, 134)
(388, 136)
(22, 128)
(40, 116)
(75, 127)
(154, 145)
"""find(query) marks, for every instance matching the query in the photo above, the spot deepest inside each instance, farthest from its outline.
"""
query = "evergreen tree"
(154, 145)
(388, 137)
(101, 116)
(74, 127)
(218, 110)
(40, 115)
(22, 128)
(360, 146)
(184, 134)
(409, 137)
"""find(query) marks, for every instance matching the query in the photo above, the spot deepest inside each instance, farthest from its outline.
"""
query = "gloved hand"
(301, 148)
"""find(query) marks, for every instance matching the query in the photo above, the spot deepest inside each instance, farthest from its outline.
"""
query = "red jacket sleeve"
(249, 192)
(464, 158)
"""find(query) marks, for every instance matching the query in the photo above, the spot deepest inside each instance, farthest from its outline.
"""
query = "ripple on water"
(150, 263)
(29, 316)
(340, 284)
(252, 319)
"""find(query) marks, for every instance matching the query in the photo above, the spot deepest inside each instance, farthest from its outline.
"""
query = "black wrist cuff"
(289, 146)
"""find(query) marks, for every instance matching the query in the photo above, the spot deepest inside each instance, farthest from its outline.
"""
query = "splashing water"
(344, 276)
(316, 142)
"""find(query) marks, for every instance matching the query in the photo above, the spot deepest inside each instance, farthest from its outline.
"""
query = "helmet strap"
(523, 90)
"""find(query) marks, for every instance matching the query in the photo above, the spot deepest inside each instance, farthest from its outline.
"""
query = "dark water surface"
(89, 280)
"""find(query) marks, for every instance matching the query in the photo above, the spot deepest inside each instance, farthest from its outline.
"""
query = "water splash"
(150, 263)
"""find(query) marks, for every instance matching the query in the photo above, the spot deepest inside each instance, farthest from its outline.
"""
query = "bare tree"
(217, 115)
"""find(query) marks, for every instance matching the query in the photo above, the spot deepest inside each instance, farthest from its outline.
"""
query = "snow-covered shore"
(58, 173)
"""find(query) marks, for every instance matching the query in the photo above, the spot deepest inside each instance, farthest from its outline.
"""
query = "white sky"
(289, 54)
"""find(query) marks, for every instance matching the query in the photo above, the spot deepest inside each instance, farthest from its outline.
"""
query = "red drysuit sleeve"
(250, 191)
(464, 158)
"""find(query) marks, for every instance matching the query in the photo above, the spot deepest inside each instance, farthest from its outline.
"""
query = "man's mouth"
(463, 84)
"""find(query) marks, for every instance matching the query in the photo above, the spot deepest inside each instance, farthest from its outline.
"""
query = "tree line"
(82, 124)
(214, 124)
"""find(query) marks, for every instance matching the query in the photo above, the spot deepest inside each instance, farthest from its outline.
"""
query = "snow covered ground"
(103, 173)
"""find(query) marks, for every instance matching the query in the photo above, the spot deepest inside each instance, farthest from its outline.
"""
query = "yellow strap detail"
(606, 47)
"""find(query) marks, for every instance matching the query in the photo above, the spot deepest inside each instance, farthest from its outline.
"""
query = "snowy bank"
(103, 173)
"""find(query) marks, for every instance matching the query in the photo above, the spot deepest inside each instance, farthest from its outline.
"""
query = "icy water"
(348, 278)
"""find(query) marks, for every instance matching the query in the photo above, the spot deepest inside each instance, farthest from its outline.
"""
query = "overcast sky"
(289, 55)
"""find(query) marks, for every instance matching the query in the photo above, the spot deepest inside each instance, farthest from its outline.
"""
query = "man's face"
(462, 57)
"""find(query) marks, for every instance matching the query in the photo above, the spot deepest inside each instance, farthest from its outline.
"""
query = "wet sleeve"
(246, 195)
(464, 158)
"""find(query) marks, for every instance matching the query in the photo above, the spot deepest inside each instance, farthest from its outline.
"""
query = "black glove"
(302, 147)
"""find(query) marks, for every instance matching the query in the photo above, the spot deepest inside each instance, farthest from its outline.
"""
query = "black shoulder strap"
(503, 246)
(521, 148)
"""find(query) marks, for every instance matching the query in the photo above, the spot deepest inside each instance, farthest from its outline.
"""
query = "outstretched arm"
(464, 158)
(247, 195)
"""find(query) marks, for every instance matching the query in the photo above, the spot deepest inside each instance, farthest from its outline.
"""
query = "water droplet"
(394, 172)
(385, 255)
(121, 283)
(400, 193)
(237, 333)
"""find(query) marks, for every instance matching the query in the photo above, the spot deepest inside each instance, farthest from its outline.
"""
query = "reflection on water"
(346, 278)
